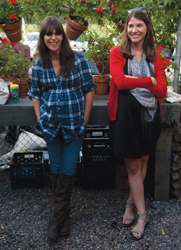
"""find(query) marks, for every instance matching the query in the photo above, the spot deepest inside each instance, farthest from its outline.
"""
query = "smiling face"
(136, 30)
(53, 41)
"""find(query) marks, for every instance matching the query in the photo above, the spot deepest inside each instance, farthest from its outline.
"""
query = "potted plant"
(99, 52)
(79, 14)
(6, 53)
(14, 67)
(5, 68)
(10, 19)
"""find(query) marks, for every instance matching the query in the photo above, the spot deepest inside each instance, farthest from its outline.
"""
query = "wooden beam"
(162, 166)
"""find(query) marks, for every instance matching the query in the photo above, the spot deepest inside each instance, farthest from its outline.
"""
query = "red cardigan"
(119, 81)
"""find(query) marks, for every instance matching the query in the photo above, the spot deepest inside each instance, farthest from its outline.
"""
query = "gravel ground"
(96, 219)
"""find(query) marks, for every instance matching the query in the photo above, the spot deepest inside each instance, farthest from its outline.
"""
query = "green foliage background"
(164, 13)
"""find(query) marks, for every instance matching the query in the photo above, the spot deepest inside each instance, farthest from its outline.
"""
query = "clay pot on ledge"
(102, 85)
(103, 68)
(24, 86)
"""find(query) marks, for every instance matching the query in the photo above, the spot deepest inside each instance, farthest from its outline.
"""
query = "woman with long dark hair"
(138, 81)
(62, 90)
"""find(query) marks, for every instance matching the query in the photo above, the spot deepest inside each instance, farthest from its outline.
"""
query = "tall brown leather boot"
(61, 205)
(53, 180)
(65, 230)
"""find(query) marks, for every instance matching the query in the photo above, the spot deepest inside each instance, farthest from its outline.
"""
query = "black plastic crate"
(98, 169)
(27, 169)
(96, 150)
(96, 131)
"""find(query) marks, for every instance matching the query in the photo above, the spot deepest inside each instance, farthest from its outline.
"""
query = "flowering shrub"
(5, 49)
(113, 11)
(10, 11)
(166, 61)
(169, 66)
(13, 65)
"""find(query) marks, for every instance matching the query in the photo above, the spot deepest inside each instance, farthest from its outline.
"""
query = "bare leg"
(136, 173)
(129, 213)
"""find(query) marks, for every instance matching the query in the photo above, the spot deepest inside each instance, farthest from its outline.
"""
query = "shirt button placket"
(59, 101)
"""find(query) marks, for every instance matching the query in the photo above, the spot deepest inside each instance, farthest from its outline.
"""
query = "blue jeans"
(63, 156)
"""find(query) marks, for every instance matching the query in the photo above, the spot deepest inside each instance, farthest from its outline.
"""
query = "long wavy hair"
(149, 42)
(66, 53)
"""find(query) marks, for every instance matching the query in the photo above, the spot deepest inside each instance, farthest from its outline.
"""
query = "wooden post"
(163, 165)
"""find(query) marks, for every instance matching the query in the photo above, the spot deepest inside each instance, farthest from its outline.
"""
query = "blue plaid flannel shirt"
(62, 101)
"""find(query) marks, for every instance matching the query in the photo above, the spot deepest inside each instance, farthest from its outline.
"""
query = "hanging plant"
(10, 20)
(10, 11)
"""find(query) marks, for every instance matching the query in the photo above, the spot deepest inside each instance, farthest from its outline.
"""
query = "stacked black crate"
(98, 168)
(27, 170)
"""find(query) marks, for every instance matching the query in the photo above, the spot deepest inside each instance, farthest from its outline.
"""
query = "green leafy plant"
(80, 12)
(13, 65)
(10, 11)
(99, 51)
(164, 15)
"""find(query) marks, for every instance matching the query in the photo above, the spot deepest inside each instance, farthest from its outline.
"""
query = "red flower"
(12, 16)
(98, 9)
(166, 62)
(113, 9)
(13, 44)
(159, 48)
(108, 45)
(4, 40)
(13, 1)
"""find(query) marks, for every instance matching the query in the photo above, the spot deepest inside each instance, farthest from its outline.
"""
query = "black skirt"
(130, 137)
(127, 133)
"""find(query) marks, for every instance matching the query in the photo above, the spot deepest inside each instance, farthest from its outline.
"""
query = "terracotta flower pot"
(103, 68)
(74, 30)
(102, 85)
(23, 88)
(13, 31)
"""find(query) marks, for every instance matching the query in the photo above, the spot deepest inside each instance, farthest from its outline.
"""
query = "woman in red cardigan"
(138, 80)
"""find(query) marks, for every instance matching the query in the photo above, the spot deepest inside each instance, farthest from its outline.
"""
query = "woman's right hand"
(38, 119)
(154, 81)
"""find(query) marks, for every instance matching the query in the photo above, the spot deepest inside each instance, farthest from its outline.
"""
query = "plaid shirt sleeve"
(86, 73)
(35, 90)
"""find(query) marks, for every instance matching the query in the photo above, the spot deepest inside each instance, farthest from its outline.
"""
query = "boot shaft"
(62, 196)
(53, 180)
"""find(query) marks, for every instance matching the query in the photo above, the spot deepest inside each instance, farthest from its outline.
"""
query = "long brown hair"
(149, 43)
(66, 53)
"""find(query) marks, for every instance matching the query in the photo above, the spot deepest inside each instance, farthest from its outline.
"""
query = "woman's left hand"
(154, 81)
(86, 121)
(89, 98)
